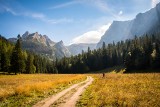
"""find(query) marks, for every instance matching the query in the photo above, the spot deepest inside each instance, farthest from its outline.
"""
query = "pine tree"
(17, 59)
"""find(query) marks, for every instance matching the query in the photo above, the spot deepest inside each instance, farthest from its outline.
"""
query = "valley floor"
(125, 90)
(28, 89)
(69, 90)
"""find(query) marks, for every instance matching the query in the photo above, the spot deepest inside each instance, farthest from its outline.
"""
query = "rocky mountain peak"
(36, 35)
(42, 44)
(46, 37)
(27, 32)
(60, 43)
(25, 35)
(37, 38)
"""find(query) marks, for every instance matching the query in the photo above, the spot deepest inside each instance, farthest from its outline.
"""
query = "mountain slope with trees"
(140, 53)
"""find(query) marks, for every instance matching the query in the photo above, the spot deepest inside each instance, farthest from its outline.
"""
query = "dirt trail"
(71, 100)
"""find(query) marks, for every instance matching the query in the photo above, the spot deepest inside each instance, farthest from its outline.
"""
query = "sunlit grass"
(132, 90)
(33, 87)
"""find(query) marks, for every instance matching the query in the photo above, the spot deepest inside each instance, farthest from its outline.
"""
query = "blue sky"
(73, 21)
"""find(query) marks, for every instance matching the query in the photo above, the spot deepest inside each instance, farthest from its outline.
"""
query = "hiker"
(103, 75)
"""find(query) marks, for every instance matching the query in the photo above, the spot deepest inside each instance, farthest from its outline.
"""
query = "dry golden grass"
(14, 85)
(131, 90)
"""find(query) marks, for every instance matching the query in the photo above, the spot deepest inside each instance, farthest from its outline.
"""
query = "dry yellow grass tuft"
(25, 84)
(123, 90)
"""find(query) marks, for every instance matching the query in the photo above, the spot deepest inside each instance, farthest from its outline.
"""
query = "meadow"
(27, 89)
(125, 90)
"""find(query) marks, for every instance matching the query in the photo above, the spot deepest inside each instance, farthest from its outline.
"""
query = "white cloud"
(101, 5)
(57, 21)
(65, 4)
(154, 2)
(44, 18)
(98, 4)
(91, 36)
(7, 9)
(38, 16)
(120, 12)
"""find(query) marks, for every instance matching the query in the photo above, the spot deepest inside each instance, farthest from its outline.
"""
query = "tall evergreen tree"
(17, 59)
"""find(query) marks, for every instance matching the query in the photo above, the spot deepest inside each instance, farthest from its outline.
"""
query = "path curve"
(73, 100)
(71, 103)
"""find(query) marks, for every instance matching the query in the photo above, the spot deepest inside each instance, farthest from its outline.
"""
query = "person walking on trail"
(103, 75)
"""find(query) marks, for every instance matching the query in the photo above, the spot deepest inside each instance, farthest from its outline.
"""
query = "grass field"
(125, 90)
(114, 90)
(25, 90)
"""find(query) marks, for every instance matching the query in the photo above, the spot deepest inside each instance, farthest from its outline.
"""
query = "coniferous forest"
(15, 60)
(139, 53)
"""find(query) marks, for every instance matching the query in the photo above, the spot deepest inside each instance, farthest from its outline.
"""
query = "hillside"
(140, 53)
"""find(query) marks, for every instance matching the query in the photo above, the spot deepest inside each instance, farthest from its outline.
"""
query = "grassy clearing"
(25, 90)
(131, 90)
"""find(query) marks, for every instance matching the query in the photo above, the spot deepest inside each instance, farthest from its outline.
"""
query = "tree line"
(15, 60)
(139, 53)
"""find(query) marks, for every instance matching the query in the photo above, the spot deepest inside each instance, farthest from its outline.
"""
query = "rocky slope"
(41, 44)
(143, 23)
(61, 49)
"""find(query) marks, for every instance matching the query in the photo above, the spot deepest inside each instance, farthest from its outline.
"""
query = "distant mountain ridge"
(76, 49)
(43, 45)
(38, 38)
(144, 23)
